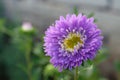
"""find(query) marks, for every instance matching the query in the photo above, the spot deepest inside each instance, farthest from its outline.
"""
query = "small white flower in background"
(27, 26)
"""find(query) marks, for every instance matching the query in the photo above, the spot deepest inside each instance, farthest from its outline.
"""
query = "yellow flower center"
(72, 42)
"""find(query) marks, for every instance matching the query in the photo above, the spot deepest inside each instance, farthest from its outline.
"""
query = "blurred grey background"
(43, 13)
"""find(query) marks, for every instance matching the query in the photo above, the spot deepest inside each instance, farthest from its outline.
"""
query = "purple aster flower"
(72, 40)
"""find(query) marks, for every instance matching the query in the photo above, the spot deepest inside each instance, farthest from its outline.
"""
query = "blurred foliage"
(75, 10)
(117, 65)
(9, 54)
(117, 68)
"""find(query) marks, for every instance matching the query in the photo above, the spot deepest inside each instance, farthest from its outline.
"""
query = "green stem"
(76, 74)
(28, 66)
(28, 61)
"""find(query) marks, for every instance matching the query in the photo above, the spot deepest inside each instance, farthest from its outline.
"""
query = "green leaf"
(36, 74)
(86, 65)
(91, 15)
(22, 67)
(117, 65)
(101, 56)
(75, 10)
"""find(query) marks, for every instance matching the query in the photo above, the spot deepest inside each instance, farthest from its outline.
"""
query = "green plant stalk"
(76, 74)
(28, 60)
(75, 9)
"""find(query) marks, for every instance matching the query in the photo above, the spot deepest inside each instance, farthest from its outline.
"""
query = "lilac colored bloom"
(72, 40)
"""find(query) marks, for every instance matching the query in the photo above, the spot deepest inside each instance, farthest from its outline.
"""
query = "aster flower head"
(72, 40)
